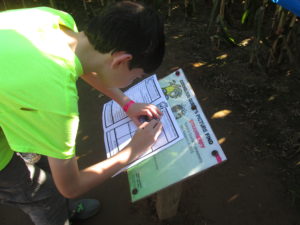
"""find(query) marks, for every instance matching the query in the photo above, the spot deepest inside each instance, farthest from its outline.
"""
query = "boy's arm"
(72, 182)
(134, 111)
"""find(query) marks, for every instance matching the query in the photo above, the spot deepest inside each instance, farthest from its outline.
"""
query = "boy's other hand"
(138, 110)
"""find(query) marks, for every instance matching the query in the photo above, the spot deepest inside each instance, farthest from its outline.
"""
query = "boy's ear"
(119, 58)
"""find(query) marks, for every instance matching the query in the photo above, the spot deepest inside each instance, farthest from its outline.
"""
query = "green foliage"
(245, 16)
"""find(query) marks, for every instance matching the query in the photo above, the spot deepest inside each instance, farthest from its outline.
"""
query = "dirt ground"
(258, 185)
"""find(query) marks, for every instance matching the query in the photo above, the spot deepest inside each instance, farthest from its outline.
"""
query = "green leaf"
(245, 16)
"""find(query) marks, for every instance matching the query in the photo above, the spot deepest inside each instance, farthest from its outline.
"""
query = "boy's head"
(132, 28)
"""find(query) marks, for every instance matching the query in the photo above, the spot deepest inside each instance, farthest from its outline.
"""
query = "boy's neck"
(90, 59)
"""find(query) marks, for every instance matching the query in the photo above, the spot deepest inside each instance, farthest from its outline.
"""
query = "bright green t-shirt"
(38, 94)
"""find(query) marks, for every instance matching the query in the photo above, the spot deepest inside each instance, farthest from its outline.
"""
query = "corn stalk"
(186, 4)
(4, 4)
(213, 13)
(23, 4)
(222, 32)
(169, 8)
(254, 55)
(84, 5)
(52, 3)
(189, 7)
(286, 22)
(250, 9)
(102, 3)
(286, 44)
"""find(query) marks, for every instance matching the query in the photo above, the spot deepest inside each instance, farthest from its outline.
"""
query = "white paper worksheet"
(119, 129)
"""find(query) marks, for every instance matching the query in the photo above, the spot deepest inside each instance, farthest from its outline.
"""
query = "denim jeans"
(31, 188)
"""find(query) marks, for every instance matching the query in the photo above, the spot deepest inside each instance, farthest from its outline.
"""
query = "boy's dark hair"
(133, 28)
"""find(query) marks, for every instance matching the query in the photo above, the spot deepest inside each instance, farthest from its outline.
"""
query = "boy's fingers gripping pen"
(143, 119)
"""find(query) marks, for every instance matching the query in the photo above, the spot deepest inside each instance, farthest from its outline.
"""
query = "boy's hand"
(145, 136)
(138, 110)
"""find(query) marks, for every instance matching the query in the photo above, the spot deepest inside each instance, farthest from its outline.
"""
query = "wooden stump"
(167, 201)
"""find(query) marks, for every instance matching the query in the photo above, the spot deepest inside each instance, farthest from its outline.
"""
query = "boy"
(41, 57)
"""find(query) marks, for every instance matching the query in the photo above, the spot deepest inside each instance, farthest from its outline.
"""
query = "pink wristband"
(127, 105)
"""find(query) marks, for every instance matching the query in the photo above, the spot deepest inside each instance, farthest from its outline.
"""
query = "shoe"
(83, 209)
